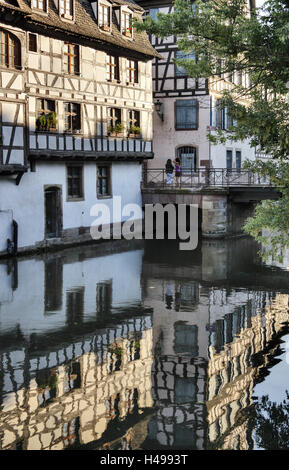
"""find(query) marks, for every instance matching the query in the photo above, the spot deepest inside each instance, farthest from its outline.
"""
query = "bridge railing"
(214, 177)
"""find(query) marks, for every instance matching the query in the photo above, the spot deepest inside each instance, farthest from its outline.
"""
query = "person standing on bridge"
(169, 171)
(178, 171)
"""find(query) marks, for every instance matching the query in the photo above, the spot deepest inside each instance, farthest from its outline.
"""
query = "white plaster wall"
(218, 152)
(27, 199)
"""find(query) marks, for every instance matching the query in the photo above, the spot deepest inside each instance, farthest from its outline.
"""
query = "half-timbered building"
(75, 115)
(187, 109)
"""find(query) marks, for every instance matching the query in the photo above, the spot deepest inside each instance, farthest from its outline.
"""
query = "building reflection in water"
(69, 379)
(211, 346)
(165, 356)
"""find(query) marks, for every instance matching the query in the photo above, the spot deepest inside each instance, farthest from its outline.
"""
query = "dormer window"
(39, 5)
(126, 24)
(66, 9)
(104, 13)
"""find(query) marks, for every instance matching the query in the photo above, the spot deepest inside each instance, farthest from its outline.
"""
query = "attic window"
(104, 17)
(39, 5)
(66, 9)
(126, 24)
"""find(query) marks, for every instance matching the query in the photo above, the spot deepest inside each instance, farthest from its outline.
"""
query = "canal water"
(142, 346)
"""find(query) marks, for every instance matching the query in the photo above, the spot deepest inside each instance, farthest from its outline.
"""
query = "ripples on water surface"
(146, 348)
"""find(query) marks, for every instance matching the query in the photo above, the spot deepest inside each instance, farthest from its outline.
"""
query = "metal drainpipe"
(15, 236)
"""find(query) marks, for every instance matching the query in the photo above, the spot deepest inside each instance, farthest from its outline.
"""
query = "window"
(134, 349)
(104, 17)
(186, 114)
(180, 71)
(126, 24)
(185, 390)
(114, 358)
(32, 42)
(66, 8)
(72, 378)
(103, 181)
(239, 77)
(103, 298)
(229, 159)
(39, 5)
(53, 285)
(46, 117)
(187, 156)
(186, 339)
(112, 67)
(131, 401)
(238, 160)
(71, 58)
(132, 71)
(10, 50)
(46, 380)
(75, 182)
(112, 406)
(70, 432)
(220, 115)
(223, 118)
(114, 118)
(133, 119)
(72, 117)
(153, 13)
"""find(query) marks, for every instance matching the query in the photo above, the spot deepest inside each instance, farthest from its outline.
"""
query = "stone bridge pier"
(222, 211)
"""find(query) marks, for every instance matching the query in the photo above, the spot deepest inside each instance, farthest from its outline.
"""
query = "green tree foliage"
(232, 37)
(271, 424)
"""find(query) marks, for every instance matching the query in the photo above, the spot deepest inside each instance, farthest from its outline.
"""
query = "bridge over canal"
(225, 197)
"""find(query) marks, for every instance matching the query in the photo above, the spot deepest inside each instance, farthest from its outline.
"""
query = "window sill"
(99, 196)
(136, 84)
(134, 136)
(39, 11)
(16, 69)
(187, 129)
(74, 133)
(105, 29)
(75, 199)
(67, 18)
(127, 35)
(113, 81)
(67, 74)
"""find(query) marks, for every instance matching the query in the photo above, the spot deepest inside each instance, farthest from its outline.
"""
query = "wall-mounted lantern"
(158, 107)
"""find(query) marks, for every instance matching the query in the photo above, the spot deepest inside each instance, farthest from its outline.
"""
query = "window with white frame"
(104, 17)
(39, 5)
(126, 23)
(66, 8)
(112, 67)
(71, 58)
(72, 117)
(132, 71)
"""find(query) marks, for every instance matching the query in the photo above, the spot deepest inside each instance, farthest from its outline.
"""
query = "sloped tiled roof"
(85, 24)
